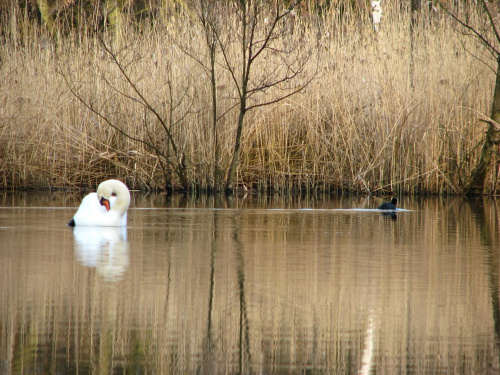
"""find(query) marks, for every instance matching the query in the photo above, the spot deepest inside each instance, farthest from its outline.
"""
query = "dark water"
(250, 285)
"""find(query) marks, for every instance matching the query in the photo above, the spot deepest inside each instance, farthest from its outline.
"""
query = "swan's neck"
(122, 202)
(110, 187)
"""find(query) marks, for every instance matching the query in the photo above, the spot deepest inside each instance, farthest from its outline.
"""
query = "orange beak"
(104, 202)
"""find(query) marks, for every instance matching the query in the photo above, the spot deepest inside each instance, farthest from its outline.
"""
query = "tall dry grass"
(358, 126)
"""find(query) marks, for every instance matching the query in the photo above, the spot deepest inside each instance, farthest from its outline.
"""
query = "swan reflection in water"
(103, 248)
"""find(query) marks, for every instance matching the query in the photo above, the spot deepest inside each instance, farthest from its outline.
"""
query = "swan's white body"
(102, 209)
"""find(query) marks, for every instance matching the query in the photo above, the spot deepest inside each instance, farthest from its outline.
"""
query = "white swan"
(102, 208)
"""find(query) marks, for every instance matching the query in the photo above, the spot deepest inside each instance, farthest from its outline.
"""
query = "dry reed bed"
(358, 126)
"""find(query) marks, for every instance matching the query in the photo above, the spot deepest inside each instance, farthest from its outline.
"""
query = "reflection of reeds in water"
(224, 291)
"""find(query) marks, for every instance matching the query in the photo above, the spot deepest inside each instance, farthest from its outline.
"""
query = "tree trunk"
(114, 8)
(490, 143)
(414, 7)
(376, 14)
(245, 73)
(44, 7)
(231, 174)
(211, 43)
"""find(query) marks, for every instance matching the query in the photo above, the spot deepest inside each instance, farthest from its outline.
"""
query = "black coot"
(389, 205)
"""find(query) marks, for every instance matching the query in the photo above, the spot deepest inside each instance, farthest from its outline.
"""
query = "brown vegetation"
(359, 125)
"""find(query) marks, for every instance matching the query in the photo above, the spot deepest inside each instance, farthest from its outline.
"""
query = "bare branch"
(91, 108)
(478, 35)
(492, 23)
(137, 91)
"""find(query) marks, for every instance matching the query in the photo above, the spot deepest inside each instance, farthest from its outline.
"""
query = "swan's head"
(104, 193)
(105, 202)
(113, 187)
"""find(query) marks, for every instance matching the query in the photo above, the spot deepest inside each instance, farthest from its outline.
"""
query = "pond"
(253, 284)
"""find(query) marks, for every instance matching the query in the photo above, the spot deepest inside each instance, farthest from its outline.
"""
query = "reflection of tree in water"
(209, 345)
(244, 340)
(492, 258)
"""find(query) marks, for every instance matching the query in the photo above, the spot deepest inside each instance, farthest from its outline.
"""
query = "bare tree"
(155, 121)
(488, 34)
(239, 35)
(209, 17)
(209, 14)
(259, 29)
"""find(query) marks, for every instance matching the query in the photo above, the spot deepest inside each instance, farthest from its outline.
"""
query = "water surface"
(250, 285)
